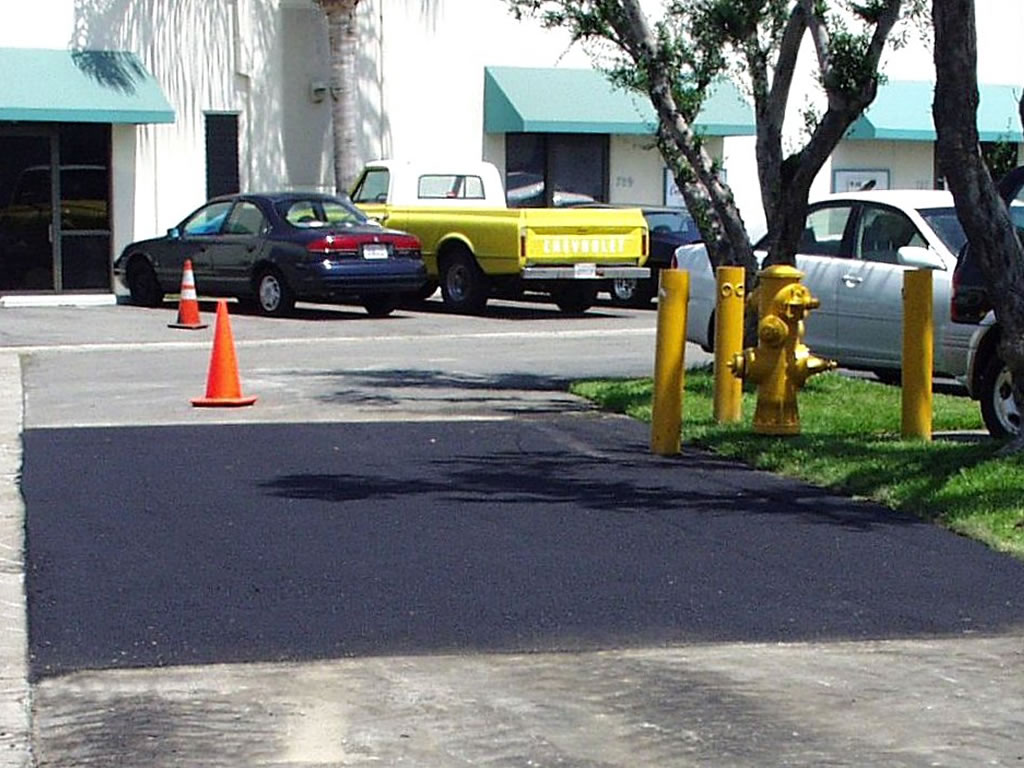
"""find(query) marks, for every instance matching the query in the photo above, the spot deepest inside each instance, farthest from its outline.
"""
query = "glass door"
(27, 253)
(83, 252)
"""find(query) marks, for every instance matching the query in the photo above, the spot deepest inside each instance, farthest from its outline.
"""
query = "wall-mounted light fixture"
(318, 90)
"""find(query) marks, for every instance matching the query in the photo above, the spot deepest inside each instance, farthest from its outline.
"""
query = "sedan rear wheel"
(143, 285)
(273, 296)
(577, 298)
(381, 306)
(998, 409)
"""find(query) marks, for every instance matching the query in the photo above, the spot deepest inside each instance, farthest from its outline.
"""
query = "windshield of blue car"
(319, 212)
(671, 221)
(946, 225)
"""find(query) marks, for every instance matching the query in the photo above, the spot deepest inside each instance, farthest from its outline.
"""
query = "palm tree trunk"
(343, 36)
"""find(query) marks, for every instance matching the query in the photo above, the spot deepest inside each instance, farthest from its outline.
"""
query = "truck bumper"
(584, 272)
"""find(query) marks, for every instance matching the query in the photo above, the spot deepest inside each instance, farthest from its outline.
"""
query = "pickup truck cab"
(476, 247)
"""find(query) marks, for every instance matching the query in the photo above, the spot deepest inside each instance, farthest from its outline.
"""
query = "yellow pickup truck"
(475, 247)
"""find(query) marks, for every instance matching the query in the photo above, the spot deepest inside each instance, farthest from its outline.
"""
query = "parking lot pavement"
(507, 585)
(532, 589)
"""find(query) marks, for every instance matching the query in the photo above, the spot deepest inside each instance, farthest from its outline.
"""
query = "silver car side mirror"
(919, 257)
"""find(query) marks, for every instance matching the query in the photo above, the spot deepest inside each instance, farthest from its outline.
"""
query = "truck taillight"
(407, 246)
(522, 244)
(333, 244)
(643, 244)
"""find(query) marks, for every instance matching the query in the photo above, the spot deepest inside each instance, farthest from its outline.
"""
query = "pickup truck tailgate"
(576, 238)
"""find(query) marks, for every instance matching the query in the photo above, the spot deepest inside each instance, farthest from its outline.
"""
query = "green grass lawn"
(850, 442)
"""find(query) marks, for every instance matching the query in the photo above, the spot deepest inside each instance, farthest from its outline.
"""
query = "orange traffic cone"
(188, 307)
(222, 385)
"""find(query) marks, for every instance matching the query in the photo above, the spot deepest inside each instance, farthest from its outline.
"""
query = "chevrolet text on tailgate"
(476, 247)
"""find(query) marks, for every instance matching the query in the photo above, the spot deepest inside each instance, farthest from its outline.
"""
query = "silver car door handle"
(852, 280)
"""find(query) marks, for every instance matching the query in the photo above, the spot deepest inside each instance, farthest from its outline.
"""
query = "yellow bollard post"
(669, 351)
(728, 395)
(918, 352)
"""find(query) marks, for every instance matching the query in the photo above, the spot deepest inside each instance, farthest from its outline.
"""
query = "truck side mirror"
(174, 233)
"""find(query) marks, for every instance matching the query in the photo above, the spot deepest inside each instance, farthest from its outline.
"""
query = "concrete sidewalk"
(899, 704)
(15, 741)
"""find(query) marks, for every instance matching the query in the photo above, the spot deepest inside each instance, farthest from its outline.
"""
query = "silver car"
(854, 250)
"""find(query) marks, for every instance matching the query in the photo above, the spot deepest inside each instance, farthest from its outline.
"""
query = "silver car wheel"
(269, 293)
(1003, 406)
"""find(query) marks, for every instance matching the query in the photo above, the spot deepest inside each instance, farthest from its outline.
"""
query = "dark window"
(824, 230)
(245, 219)
(221, 155)
(882, 232)
(554, 169)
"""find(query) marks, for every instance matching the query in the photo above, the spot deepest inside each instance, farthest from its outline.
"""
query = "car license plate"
(585, 270)
(375, 251)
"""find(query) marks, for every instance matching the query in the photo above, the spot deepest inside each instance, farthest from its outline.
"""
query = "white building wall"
(909, 163)
(427, 98)
(635, 173)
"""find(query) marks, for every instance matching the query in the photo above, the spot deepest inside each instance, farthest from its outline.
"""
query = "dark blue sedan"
(275, 249)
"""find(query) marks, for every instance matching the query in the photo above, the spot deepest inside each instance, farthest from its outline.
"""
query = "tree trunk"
(978, 205)
(342, 33)
(686, 155)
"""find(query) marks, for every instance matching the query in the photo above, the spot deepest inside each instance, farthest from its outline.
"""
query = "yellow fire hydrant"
(781, 363)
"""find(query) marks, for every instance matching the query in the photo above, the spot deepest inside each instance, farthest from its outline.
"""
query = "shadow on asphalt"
(188, 545)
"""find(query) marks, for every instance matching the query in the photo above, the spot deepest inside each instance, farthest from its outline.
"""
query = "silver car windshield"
(946, 225)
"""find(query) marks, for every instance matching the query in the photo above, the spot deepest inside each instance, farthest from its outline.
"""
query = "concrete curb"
(15, 701)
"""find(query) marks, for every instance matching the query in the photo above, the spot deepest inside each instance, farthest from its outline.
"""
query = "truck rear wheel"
(463, 285)
(577, 298)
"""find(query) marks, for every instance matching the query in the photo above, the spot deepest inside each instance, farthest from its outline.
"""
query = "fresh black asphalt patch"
(200, 544)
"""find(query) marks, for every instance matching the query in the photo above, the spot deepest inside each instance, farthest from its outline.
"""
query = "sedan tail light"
(334, 244)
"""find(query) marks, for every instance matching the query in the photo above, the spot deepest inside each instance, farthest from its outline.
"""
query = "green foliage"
(850, 442)
(999, 156)
(851, 71)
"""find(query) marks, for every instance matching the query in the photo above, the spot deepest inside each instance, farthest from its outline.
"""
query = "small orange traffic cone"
(188, 307)
(222, 384)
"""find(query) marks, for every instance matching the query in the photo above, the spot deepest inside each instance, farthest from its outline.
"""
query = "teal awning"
(902, 111)
(556, 100)
(79, 87)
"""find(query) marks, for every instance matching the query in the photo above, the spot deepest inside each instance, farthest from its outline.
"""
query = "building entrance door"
(39, 250)
(26, 211)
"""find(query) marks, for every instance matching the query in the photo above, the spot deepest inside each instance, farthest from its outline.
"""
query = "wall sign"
(856, 180)
(673, 197)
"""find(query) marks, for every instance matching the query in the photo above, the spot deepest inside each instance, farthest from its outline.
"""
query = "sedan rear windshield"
(313, 213)
(947, 226)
